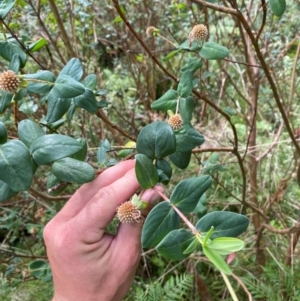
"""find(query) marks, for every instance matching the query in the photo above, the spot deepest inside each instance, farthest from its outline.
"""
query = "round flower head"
(151, 31)
(198, 33)
(9, 82)
(175, 122)
(128, 213)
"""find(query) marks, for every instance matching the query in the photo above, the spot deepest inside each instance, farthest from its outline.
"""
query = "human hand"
(87, 263)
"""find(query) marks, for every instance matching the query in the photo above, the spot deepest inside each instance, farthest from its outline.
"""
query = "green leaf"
(229, 111)
(5, 7)
(185, 85)
(73, 171)
(175, 243)
(43, 84)
(52, 181)
(192, 65)
(166, 169)
(181, 159)
(67, 87)
(5, 192)
(102, 103)
(186, 108)
(90, 81)
(145, 171)
(156, 140)
(187, 138)
(20, 94)
(5, 101)
(101, 155)
(211, 166)
(104, 147)
(129, 148)
(38, 268)
(278, 7)
(161, 220)
(185, 46)
(9, 49)
(57, 107)
(37, 45)
(226, 245)
(188, 192)
(117, 19)
(87, 101)
(225, 223)
(171, 54)
(28, 107)
(71, 111)
(81, 154)
(72, 69)
(166, 102)
(54, 125)
(15, 165)
(105, 143)
(201, 208)
(192, 246)
(3, 133)
(15, 63)
(49, 148)
(213, 51)
(217, 260)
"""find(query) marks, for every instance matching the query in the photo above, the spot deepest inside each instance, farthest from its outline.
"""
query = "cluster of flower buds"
(9, 82)
(198, 34)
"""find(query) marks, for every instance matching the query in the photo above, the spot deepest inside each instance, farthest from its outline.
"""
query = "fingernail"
(151, 195)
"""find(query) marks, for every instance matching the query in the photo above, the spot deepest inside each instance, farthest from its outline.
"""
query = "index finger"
(87, 191)
(101, 209)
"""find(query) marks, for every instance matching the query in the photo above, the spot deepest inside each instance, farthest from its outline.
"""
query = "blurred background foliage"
(263, 184)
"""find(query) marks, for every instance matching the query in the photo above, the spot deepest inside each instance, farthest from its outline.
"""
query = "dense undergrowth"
(245, 105)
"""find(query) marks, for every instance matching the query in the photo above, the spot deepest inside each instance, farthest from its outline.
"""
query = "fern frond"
(140, 294)
(155, 293)
(177, 288)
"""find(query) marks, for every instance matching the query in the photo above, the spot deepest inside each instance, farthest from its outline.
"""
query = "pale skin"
(87, 263)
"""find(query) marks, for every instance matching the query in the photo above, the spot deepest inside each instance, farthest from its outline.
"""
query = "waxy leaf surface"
(156, 140)
(175, 243)
(16, 165)
(225, 223)
(188, 192)
(49, 148)
(145, 171)
(161, 220)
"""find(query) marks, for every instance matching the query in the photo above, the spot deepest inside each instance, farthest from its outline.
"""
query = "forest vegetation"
(106, 78)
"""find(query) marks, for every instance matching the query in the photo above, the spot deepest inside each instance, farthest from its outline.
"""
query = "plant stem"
(187, 222)
(230, 288)
(167, 40)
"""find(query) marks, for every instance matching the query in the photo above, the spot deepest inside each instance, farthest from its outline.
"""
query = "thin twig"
(102, 116)
(61, 27)
(242, 63)
(200, 96)
(21, 44)
(213, 149)
(264, 7)
(240, 282)
(48, 197)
